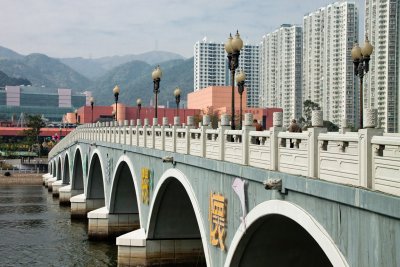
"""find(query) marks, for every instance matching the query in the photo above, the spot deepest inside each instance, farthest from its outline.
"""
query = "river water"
(36, 231)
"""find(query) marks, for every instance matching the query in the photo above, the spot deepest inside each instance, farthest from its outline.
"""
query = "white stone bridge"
(219, 197)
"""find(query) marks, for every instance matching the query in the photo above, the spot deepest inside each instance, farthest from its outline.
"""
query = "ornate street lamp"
(177, 94)
(156, 75)
(361, 57)
(240, 78)
(116, 94)
(76, 116)
(139, 105)
(91, 100)
(233, 47)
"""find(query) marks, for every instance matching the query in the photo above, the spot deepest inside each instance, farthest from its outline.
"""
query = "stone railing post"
(177, 124)
(365, 147)
(313, 148)
(225, 119)
(108, 131)
(163, 126)
(131, 127)
(189, 125)
(247, 127)
(274, 131)
(344, 128)
(203, 127)
(124, 135)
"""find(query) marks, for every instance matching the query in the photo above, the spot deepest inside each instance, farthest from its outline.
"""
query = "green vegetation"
(134, 79)
(308, 107)
(42, 70)
(6, 80)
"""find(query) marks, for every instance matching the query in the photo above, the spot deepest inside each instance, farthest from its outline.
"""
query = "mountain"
(134, 80)
(6, 53)
(43, 70)
(95, 68)
(6, 80)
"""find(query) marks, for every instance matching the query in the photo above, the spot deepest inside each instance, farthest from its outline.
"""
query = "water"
(36, 231)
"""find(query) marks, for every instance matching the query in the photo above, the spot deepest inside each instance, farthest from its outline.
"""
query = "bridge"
(176, 193)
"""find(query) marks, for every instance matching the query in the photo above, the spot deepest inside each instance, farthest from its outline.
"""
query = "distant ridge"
(133, 76)
(95, 68)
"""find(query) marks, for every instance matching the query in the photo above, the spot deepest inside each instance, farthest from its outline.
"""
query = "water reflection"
(36, 231)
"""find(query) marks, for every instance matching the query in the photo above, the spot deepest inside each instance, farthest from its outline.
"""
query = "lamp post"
(240, 78)
(139, 105)
(361, 57)
(156, 75)
(91, 100)
(177, 94)
(116, 94)
(76, 117)
(232, 48)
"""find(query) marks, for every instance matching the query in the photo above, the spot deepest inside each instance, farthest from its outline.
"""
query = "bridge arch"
(174, 185)
(66, 177)
(274, 214)
(95, 180)
(77, 171)
(124, 196)
(59, 168)
(53, 168)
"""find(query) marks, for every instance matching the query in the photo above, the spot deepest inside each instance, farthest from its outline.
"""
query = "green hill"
(6, 80)
(43, 70)
(134, 79)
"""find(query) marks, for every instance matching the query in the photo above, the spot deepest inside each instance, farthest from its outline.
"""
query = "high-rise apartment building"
(329, 34)
(211, 68)
(382, 24)
(281, 69)
(249, 62)
(209, 64)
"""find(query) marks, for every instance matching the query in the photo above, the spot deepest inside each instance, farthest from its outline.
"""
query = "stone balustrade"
(367, 158)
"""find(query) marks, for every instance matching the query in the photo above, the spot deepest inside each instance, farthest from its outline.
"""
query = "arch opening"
(53, 169)
(173, 214)
(77, 179)
(173, 218)
(58, 174)
(66, 175)
(276, 240)
(95, 179)
(123, 199)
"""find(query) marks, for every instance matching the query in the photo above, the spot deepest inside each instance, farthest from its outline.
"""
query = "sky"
(98, 28)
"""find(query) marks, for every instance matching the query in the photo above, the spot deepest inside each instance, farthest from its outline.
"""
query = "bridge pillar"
(56, 186)
(103, 225)
(135, 250)
(80, 206)
(64, 195)
(45, 177)
(49, 183)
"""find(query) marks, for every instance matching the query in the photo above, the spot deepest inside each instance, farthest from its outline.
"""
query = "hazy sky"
(96, 28)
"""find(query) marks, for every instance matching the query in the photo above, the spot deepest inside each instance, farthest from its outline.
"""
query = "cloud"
(66, 28)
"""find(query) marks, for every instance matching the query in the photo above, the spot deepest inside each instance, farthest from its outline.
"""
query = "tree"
(35, 124)
(308, 107)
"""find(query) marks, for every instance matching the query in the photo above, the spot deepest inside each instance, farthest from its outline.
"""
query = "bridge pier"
(80, 206)
(103, 225)
(45, 177)
(49, 183)
(135, 250)
(56, 187)
(64, 195)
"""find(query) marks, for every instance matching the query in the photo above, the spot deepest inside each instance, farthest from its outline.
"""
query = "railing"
(367, 158)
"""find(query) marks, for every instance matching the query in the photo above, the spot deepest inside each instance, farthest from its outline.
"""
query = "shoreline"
(22, 179)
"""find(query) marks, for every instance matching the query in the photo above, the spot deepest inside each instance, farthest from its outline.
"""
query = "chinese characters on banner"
(217, 218)
(146, 176)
